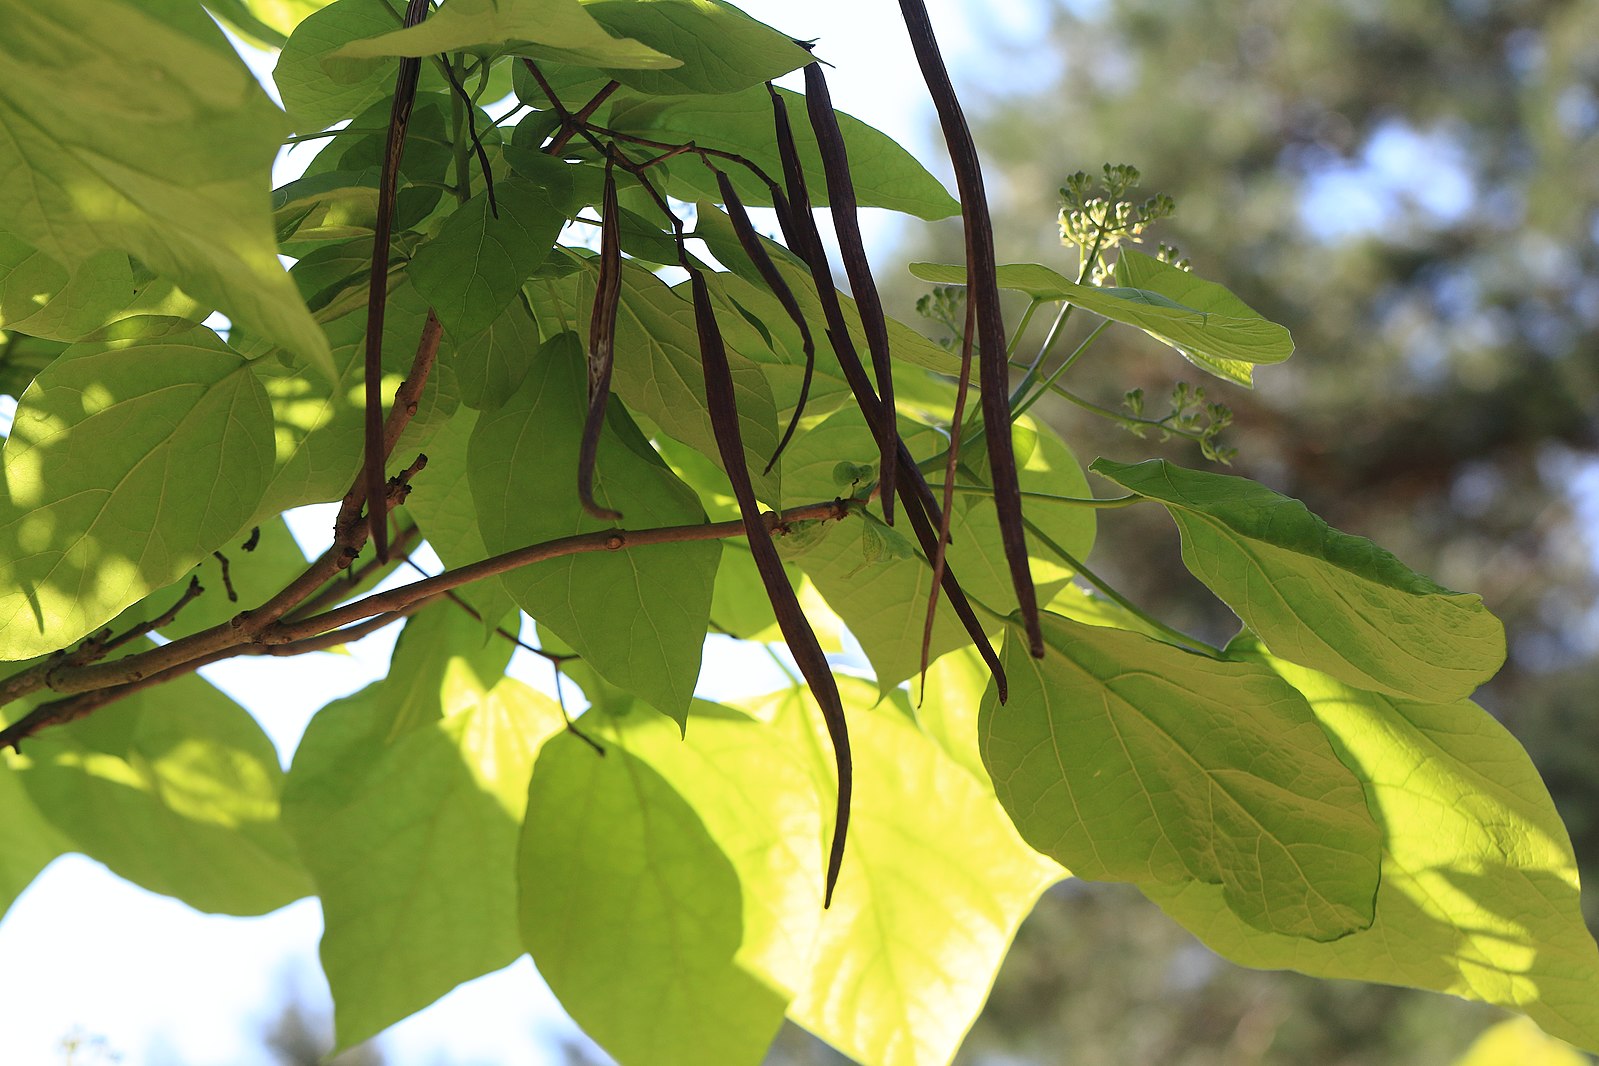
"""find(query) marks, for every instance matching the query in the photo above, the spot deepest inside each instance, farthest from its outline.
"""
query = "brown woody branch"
(93, 685)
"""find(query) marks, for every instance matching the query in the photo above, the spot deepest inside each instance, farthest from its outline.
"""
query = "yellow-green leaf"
(180, 181)
(129, 461)
(1131, 760)
(1325, 599)
(1479, 894)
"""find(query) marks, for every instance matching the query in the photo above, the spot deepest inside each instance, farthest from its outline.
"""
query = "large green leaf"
(638, 616)
(657, 370)
(471, 271)
(129, 462)
(490, 364)
(406, 801)
(1211, 327)
(28, 842)
(441, 504)
(934, 883)
(1327, 600)
(175, 789)
(42, 298)
(1479, 894)
(885, 174)
(180, 180)
(722, 49)
(553, 29)
(1130, 760)
(873, 576)
(313, 98)
(634, 912)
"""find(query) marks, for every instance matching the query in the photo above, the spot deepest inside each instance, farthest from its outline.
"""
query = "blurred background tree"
(1412, 187)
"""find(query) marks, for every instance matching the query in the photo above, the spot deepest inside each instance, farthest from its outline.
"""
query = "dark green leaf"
(638, 616)
(470, 272)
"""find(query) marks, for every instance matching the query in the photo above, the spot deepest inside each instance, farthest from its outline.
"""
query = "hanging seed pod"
(378, 293)
(796, 628)
(951, 464)
(983, 290)
(750, 241)
(846, 223)
(602, 345)
(923, 511)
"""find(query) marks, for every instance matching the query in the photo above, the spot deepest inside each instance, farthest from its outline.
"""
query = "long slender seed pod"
(602, 345)
(800, 232)
(378, 293)
(750, 241)
(983, 289)
(846, 223)
(791, 619)
(941, 556)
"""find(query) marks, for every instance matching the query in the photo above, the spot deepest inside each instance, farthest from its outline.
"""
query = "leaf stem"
(1191, 643)
(1049, 382)
(1076, 501)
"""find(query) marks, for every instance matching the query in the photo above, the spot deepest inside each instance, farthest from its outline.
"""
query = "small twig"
(253, 541)
(341, 588)
(227, 576)
(570, 123)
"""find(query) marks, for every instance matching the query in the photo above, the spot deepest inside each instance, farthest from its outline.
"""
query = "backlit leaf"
(168, 158)
(934, 883)
(406, 801)
(553, 29)
(722, 49)
(1328, 600)
(41, 298)
(637, 616)
(1131, 760)
(1479, 894)
(635, 915)
(1208, 325)
(175, 789)
(28, 842)
(129, 462)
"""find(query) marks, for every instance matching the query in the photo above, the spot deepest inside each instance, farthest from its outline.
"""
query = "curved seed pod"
(602, 345)
(846, 223)
(799, 229)
(750, 241)
(378, 293)
(802, 643)
(983, 291)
